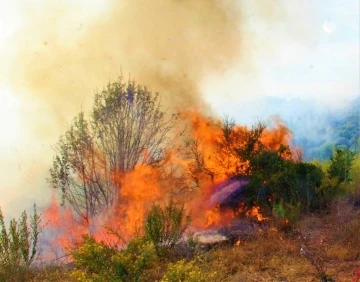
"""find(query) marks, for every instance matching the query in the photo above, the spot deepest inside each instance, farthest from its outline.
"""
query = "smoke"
(60, 56)
(62, 52)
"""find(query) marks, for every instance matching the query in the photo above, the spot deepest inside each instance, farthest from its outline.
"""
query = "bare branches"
(127, 126)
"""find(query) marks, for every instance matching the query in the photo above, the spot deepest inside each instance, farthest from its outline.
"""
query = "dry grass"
(50, 273)
(331, 242)
(268, 257)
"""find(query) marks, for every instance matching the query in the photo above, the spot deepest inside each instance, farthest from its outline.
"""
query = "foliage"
(329, 189)
(127, 127)
(253, 147)
(340, 164)
(184, 272)
(96, 261)
(328, 131)
(278, 180)
(165, 225)
(18, 244)
(286, 215)
(339, 177)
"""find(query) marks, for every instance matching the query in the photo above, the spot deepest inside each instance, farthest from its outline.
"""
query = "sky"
(300, 49)
(317, 61)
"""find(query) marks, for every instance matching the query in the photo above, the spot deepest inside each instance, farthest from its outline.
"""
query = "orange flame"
(190, 173)
(255, 212)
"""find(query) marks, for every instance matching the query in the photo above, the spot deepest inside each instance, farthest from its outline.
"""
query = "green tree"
(340, 164)
(127, 126)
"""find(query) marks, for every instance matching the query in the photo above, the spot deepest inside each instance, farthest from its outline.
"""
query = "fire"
(140, 188)
(216, 217)
(255, 212)
(204, 173)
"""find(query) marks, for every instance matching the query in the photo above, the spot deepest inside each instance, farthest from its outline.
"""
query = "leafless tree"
(127, 126)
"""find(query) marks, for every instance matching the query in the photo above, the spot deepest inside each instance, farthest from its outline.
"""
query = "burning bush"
(112, 167)
(127, 127)
(98, 261)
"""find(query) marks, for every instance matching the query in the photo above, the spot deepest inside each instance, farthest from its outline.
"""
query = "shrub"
(139, 254)
(92, 261)
(329, 189)
(165, 225)
(286, 216)
(276, 179)
(340, 164)
(18, 245)
(184, 272)
(96, 261)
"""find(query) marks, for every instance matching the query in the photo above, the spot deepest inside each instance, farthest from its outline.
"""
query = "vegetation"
(127, 127)
(322, 247)
(311, 207)
(276, 180)
(165, 226)
(18, 245)
(340, 164)
(329, 131)
(184, 271)
(96, 261)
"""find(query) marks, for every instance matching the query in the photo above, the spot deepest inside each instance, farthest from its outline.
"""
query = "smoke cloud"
(60, 56)
(62, 52)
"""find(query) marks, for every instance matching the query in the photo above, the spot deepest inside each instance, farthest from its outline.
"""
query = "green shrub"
(329, 189)
(92, 261)
(340, 164)
(275, 179)
(140, 254)
(165, 225)
(184, 272)
(96, 261)
(286, 215)
(18, 245)
(340, 178)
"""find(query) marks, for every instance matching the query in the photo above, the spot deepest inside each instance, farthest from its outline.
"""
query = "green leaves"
(165, 225)
(18, 243)
(340, 164)
(96, 261)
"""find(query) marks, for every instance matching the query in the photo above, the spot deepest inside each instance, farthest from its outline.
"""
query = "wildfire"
(207, 166)
(255, 212)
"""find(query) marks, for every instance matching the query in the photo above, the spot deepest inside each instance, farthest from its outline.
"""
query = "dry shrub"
(268, 257)
(53, 273)
(347, 240)
(343, 226)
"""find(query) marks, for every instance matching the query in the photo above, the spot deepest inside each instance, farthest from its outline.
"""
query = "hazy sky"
(314, 57)
(305, 49)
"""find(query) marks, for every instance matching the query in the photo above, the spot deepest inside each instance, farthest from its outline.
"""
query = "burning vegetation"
(140, 186)
(144, 184)
(129, 154)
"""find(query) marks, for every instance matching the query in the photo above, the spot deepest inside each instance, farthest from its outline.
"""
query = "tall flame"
(207, 165)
